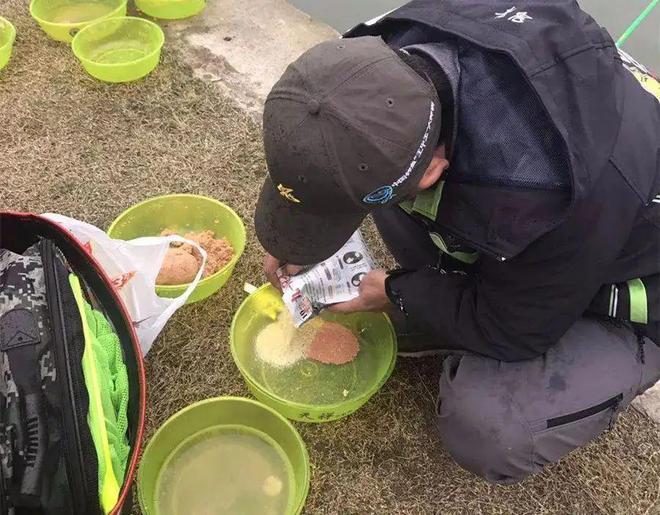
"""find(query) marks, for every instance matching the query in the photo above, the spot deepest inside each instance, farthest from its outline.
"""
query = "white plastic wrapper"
(337, 279)
(133, 267)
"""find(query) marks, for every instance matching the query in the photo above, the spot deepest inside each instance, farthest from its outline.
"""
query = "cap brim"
(297, 237)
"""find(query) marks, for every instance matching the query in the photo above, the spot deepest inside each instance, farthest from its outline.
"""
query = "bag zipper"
(578, 415)
(76, 472)
(4, 504)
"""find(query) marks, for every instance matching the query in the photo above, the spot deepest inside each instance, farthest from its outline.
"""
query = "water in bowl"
(79, 12)
(226, 470)
(310, 382)
(117, 54)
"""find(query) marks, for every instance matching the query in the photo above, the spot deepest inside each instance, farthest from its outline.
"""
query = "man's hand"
(372, 295)
(272, 265)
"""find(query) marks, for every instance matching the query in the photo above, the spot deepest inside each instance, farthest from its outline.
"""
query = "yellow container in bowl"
(62, 19)
(184, 213)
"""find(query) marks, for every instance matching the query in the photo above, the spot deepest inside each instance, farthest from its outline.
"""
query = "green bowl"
(119, 49)
(308, 391)
(221, 414)
(7, 37)
(61, 19)
(184, 213)
(170, 9)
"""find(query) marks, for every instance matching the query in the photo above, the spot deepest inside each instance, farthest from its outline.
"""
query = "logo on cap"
(384, 194)
(287, 193)
(380, 196)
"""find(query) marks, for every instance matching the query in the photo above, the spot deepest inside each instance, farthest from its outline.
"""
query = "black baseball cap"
(348, 128)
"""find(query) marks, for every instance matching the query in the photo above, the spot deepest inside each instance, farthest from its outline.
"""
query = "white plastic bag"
(133, 267)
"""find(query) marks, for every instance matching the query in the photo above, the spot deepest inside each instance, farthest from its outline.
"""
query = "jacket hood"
(566, 63)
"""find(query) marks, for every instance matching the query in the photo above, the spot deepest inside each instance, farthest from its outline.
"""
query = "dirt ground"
(75, 146)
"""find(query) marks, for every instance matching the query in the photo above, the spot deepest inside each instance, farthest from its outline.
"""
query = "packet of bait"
(335, 280)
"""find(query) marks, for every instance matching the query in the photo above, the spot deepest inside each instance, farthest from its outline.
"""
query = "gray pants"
(505, 421)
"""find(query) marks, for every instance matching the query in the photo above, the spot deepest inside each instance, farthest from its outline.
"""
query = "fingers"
(293, 269)
(271, 265)
(351, 306)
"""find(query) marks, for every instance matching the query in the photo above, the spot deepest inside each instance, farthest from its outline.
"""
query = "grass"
(89, 150)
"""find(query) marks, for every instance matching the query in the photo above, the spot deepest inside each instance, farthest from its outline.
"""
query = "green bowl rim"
(12, 33)
(175, 287)
(159, 47)
(296, 418)
(123, 4)
(171, 1)
(362, 399)
(296, 434)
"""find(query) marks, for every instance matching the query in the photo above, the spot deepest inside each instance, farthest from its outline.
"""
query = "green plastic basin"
(309, 391)
(170, 9)
(184, 213)
(7, 37)
(215, 417)
(119, 49)
(61, 19)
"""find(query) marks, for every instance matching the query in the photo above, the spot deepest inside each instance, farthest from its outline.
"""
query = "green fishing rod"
(638, 21)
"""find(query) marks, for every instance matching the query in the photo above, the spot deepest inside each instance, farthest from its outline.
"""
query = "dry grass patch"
(89, 150)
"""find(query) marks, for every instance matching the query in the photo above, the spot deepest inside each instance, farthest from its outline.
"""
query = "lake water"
(616, 16)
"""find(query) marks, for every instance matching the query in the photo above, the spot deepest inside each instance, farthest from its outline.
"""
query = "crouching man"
(511, 160)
